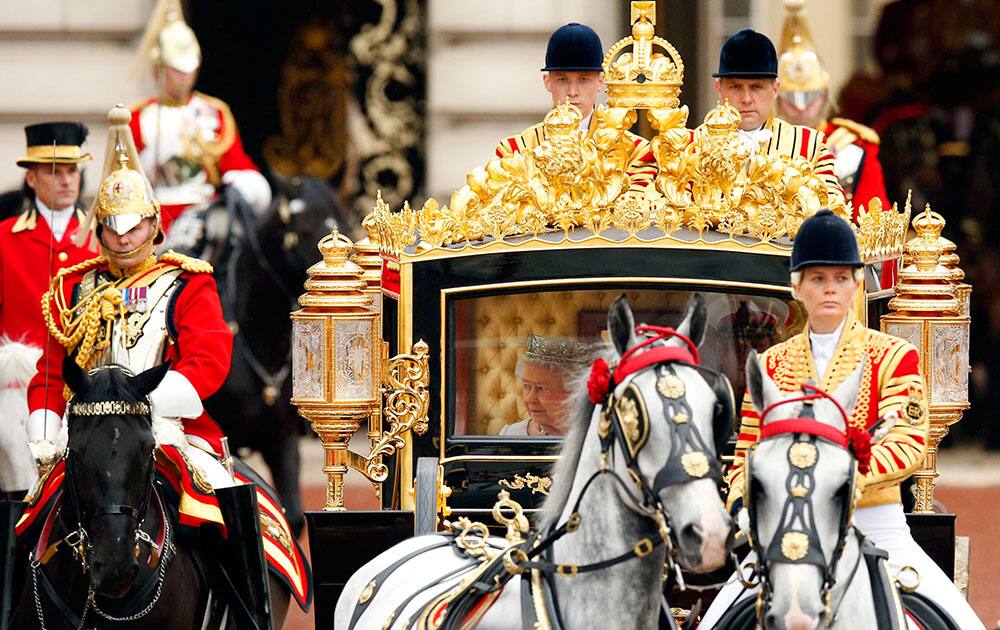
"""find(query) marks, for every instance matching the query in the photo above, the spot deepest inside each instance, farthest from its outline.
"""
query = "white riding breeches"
(885, 526)
(196, 450)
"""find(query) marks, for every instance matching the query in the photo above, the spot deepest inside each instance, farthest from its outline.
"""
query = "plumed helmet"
(168, 39)
(125, 196)
(574, 47)
(825, 240)
(803, 74)
(747, 55)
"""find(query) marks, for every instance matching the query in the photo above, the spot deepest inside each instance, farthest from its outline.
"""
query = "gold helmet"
(125, 196)
(802, 73)
(168, 40)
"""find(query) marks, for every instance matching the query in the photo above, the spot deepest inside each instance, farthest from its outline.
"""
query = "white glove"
(45, 453)
(175, 397)
(252, 186)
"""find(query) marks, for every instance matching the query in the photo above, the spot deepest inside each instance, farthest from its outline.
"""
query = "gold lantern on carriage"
(340, 374)
(931, 311)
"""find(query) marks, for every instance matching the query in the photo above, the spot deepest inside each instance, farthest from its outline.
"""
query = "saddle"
(743, 614)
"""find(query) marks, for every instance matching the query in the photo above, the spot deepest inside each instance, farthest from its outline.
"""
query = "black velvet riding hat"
(574, 48)
(748, 55)
(825, 240)
(57, 142)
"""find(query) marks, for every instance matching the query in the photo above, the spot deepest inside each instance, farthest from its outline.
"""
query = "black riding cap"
(748, 55)
(574, 48)
(825, 240)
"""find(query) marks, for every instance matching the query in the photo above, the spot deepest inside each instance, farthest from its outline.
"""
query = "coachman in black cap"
(55, 142)
(573, 73)
(748, 79)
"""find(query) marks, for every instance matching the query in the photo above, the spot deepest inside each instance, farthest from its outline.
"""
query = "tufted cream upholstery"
(498, 326)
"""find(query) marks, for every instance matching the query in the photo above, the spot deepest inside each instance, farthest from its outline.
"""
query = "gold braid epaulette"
(187, 263)
(78, 326)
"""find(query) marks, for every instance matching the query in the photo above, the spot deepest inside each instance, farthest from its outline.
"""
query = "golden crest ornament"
(670, 386)
(794, 545)
(802, 455)
(695, 464)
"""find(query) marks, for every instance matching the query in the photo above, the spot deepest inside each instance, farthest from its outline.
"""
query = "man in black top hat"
(748, 79)
(573, 73)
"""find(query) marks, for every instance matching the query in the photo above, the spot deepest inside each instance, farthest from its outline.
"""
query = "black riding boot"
(243, 556)
(10, 512)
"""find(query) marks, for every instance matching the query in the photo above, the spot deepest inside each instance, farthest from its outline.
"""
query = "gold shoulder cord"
(187, 263)
(79, 325)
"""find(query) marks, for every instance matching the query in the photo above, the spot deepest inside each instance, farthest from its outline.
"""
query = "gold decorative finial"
(925, 285)
(641, 78)
(335, 281)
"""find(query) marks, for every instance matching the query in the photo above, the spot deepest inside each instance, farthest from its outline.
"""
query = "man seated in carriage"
(573, 73)
(826, 276)
(543, 370)
(131, 308)
(748, 79)
(188, 141)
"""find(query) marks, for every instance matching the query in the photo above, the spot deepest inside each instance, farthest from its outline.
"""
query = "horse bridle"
(78, 540)
(796, 539)
(624, 424)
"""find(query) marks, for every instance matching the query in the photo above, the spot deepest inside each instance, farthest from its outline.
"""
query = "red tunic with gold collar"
(890, 384)
(27, 265)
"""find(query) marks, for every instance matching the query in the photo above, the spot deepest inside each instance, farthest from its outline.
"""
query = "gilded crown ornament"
(641, 78)
(574, 185)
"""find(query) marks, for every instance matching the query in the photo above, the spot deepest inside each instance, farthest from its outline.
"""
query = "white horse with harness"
(812, 568)
(635, 489)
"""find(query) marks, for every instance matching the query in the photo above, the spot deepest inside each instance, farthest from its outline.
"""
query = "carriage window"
(514, 359)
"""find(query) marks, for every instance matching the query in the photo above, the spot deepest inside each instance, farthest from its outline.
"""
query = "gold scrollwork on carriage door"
(535, 483)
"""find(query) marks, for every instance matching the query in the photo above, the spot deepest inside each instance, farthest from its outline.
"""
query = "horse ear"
(621, 324)
(762, 389)
(145, 382)
(693, 324)
(74, 376)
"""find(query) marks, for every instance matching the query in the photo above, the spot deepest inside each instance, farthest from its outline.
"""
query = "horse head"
(800, 494)
(109, 468)
(305, 210)
(669, 423)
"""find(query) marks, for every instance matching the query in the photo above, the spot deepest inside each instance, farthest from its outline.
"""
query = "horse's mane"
(580, 410)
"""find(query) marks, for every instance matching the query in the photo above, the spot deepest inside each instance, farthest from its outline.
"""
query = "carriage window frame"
(549, 444)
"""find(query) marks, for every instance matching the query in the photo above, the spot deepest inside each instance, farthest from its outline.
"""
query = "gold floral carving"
(670, 386)
(535, 483)
(577, 183)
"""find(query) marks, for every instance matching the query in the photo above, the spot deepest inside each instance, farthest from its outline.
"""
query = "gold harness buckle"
(643, 548)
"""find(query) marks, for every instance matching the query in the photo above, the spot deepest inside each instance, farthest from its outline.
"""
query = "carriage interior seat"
(491, 332)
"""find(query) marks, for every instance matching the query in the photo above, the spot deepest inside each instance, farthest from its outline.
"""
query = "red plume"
(599, 382)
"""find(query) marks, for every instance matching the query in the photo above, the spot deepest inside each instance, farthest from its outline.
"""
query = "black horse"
(120, 560)
(260, 267)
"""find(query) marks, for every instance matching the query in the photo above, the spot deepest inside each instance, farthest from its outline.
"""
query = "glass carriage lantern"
(336, 348)
(930, 311)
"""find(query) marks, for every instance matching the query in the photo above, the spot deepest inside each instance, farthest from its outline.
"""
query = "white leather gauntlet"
(252, 186)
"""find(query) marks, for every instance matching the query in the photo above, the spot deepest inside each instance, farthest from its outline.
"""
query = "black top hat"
(748, 55)
(825, 240)
(57, 142)
(574, 48)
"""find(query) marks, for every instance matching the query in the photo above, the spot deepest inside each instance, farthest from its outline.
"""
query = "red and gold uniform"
(188, 149)
(891, 386)
(856, 163)
(641, 170)
(29, 258)
(793, 141)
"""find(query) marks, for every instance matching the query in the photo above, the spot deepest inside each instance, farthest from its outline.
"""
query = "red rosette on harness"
(599, 382)
(861, 445)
